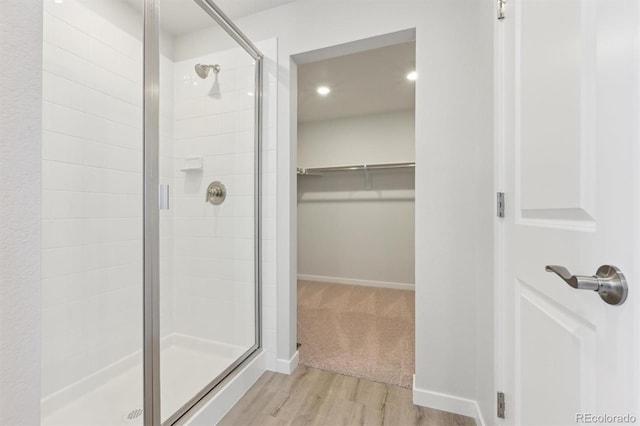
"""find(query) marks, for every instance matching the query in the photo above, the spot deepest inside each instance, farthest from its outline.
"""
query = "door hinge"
(501, 405)
(500, 204)
(501, 7)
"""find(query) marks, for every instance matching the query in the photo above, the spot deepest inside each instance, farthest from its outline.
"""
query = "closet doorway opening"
(356, 212)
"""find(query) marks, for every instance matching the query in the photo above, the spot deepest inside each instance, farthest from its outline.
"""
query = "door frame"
(290, 253)
(498, 228)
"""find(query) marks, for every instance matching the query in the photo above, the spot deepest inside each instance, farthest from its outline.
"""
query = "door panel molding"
(539, 320)
(555, 98)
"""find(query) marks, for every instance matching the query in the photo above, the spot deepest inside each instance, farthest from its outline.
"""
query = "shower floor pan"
(186, 368)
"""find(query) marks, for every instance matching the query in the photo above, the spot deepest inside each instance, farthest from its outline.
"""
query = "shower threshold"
(187, 365)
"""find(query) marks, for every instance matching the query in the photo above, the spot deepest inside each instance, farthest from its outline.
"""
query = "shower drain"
(133, 414)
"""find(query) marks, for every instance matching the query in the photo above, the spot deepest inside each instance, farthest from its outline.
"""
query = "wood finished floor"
(315, 397)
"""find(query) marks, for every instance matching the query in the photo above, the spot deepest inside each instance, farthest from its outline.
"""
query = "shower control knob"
(216, 193)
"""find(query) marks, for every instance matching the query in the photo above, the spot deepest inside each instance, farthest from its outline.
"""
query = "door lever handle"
(609, 282)
(575, 281)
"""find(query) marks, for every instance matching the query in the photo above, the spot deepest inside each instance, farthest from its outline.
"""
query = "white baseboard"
(446, 402)
(352, 281)
(216, 406)
(479, 417)
(287, 366)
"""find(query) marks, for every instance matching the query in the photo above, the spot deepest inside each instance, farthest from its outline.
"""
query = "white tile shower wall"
(214, 245)
(92, 189)
(269, 49)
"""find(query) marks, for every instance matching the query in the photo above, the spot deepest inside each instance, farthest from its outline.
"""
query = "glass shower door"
(146, 310)
(209, 191)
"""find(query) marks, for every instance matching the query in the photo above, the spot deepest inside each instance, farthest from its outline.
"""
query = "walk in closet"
(356, 180)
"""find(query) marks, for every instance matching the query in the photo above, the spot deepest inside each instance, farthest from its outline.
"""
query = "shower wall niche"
(92, 362)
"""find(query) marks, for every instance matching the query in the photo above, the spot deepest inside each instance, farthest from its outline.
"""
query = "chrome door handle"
(608, 281)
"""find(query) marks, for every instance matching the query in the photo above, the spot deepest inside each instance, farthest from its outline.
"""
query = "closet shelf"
(366, 168)
(354, 167)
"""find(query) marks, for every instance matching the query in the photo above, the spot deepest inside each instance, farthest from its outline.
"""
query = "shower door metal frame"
(151, 212)
(151, 216)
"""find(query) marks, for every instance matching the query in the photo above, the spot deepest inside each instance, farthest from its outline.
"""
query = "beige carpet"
(358, 331)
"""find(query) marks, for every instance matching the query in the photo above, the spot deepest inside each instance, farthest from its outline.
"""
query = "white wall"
(346, 232)
(453, 152)
(376, 138)
(20, 173)
(457, 213)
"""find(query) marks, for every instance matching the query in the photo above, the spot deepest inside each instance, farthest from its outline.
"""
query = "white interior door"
(568, 113)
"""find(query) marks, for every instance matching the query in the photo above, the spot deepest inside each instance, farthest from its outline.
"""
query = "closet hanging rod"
(355, 167)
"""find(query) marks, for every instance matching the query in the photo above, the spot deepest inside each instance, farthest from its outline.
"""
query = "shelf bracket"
(367, 178)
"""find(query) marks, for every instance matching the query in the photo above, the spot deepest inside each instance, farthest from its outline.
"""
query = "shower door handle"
(163, 197)
(609, 282)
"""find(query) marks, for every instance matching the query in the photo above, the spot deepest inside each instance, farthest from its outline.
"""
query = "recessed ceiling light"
(323, 90)
(412, 76)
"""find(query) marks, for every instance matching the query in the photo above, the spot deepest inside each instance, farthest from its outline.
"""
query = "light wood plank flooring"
(315, 397)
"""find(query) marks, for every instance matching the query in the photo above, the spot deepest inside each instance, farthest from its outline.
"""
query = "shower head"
(203, 70)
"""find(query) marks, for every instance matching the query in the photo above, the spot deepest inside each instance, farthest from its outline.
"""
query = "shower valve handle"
(216, 193)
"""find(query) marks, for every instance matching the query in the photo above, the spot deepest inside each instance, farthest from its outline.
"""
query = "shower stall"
(151, 208)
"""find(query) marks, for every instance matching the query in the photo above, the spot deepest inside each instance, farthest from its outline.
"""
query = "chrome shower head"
(203, 70)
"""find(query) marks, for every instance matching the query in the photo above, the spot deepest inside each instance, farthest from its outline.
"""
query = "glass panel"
(207, 245)
(92, 213)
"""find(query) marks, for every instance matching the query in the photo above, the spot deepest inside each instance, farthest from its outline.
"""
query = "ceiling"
(180, 17)
(369, 82)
